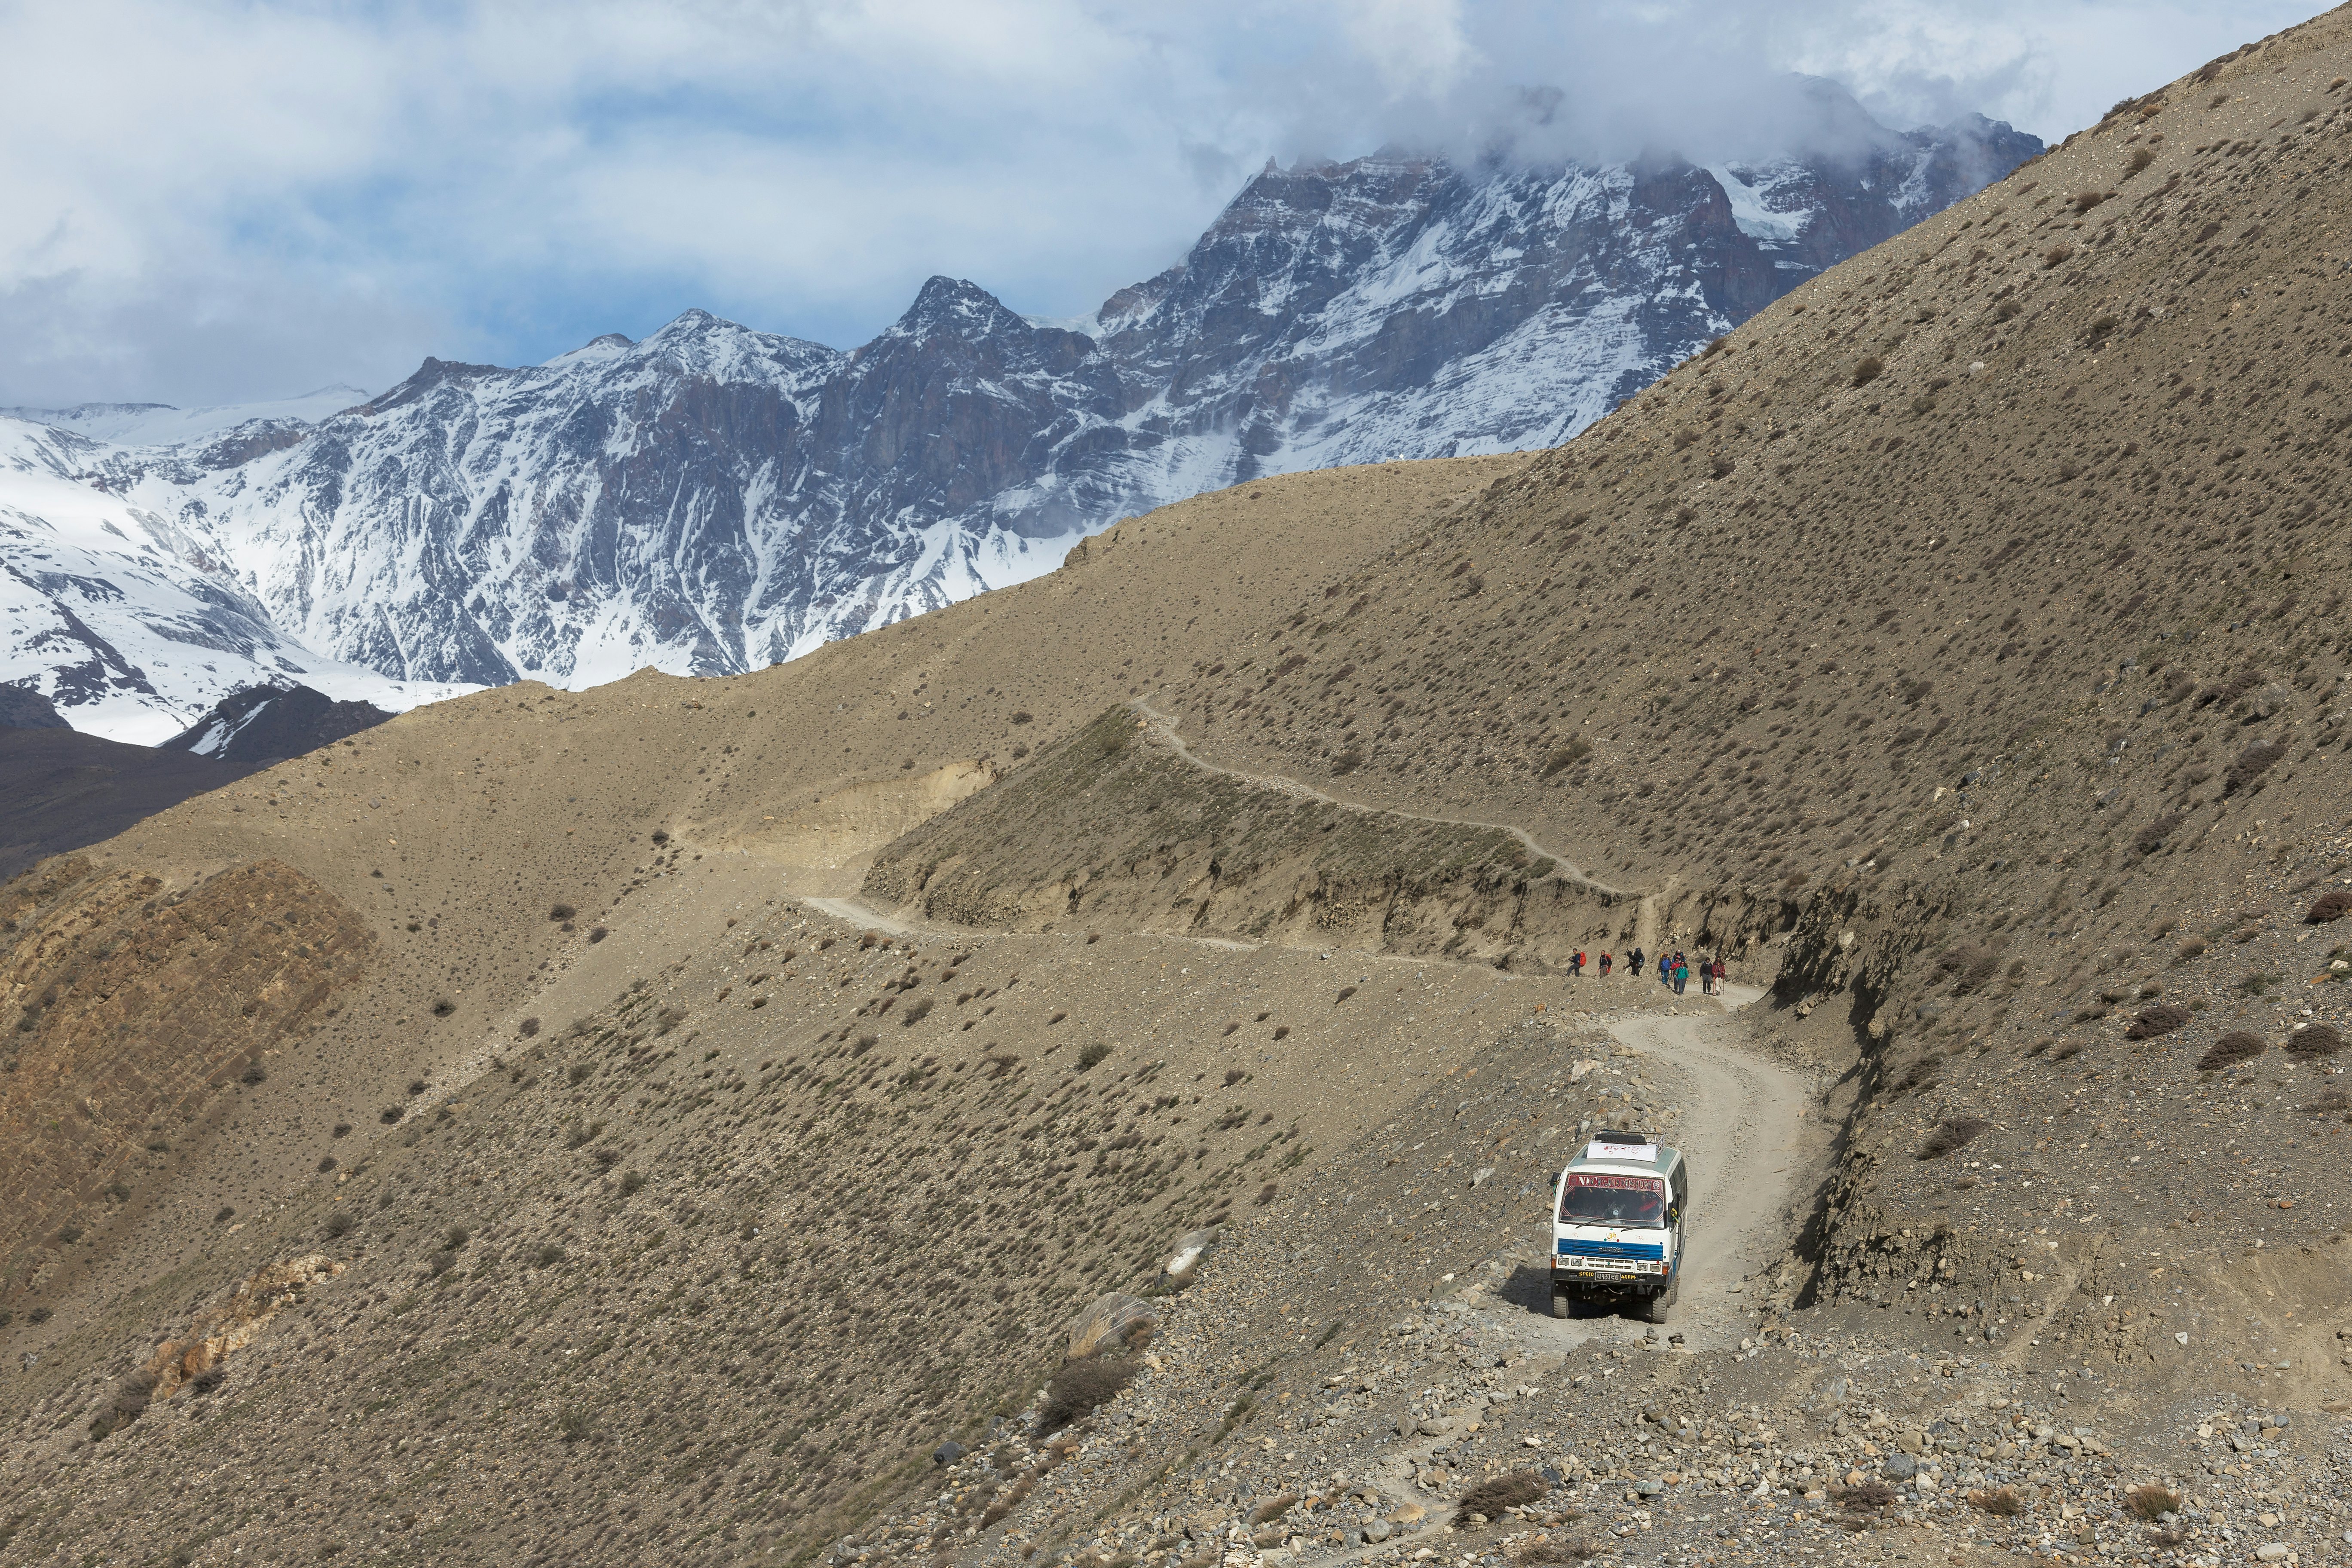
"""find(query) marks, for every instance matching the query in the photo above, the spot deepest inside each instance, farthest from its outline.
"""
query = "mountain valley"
(1073, 1076)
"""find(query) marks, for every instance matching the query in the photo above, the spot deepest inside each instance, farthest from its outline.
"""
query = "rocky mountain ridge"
(715, 499)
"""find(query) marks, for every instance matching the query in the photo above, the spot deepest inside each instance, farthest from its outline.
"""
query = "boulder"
(946, 1453)
(1184, 1262)
(2274, 698)
(1899, 1467)
(1116, 1322)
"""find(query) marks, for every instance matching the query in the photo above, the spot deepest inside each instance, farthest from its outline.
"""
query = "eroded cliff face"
(138, 1009)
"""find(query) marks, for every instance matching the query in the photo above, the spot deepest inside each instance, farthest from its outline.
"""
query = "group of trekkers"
(1674, 969)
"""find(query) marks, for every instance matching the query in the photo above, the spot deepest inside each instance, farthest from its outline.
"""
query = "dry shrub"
(1565, 757)
(1491, 1496)
(2151, 1502)
(1274, 1507)
(2161, 1020)
(1952, 1133)
(2190, 947)
(2331, 905)
(2232, 1048)
(1531, 1553)
(1079, 1388)
(2057, 256)
(2140, 159)
(1920, 1076)
(2150, 839)
(2311, 1041)
(561, 912)
(2253, 764)
(1873, 1493)
(1867, 369)
(2087, 200)
(1971, 965)
(2001, 1502)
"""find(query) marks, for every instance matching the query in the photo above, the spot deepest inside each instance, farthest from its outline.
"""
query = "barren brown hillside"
(549, 1157)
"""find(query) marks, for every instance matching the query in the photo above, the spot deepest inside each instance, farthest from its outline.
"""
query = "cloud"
(209, 200)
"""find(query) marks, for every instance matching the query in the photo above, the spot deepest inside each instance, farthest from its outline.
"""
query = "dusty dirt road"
(1752, 1136)
(1750, 1132)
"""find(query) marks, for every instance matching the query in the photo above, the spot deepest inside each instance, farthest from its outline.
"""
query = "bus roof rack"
(1621, 1135)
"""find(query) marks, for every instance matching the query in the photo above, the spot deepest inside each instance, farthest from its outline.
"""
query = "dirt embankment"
(1116, 827)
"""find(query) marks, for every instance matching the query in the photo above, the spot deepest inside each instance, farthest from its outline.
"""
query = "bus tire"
(1654, 1308)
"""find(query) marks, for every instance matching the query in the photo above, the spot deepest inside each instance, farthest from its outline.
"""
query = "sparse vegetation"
(2253, 764)
(1952, 1133)
(1081, 1387)
(2001, 1502)
(2232, 1048)
(1867, 369)
(1563, 758)
(2152, 1501)
(2161, 1020)
(1093, 1055)
(1872, 1494)
(1491, 1496)
(2331, 905)
(2309, 1042)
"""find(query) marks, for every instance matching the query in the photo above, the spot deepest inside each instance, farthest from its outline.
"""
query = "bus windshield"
(1599, 1198)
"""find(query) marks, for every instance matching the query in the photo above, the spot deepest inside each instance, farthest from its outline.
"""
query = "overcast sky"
(207, 202)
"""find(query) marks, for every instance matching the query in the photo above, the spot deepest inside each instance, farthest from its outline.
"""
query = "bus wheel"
(1563, 1305)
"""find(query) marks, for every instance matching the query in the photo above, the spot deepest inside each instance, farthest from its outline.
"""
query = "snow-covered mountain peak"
(713, 498)
(594, 352)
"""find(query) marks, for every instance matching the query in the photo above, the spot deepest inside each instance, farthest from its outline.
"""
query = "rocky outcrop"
(220, 1331)
(270, 723)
